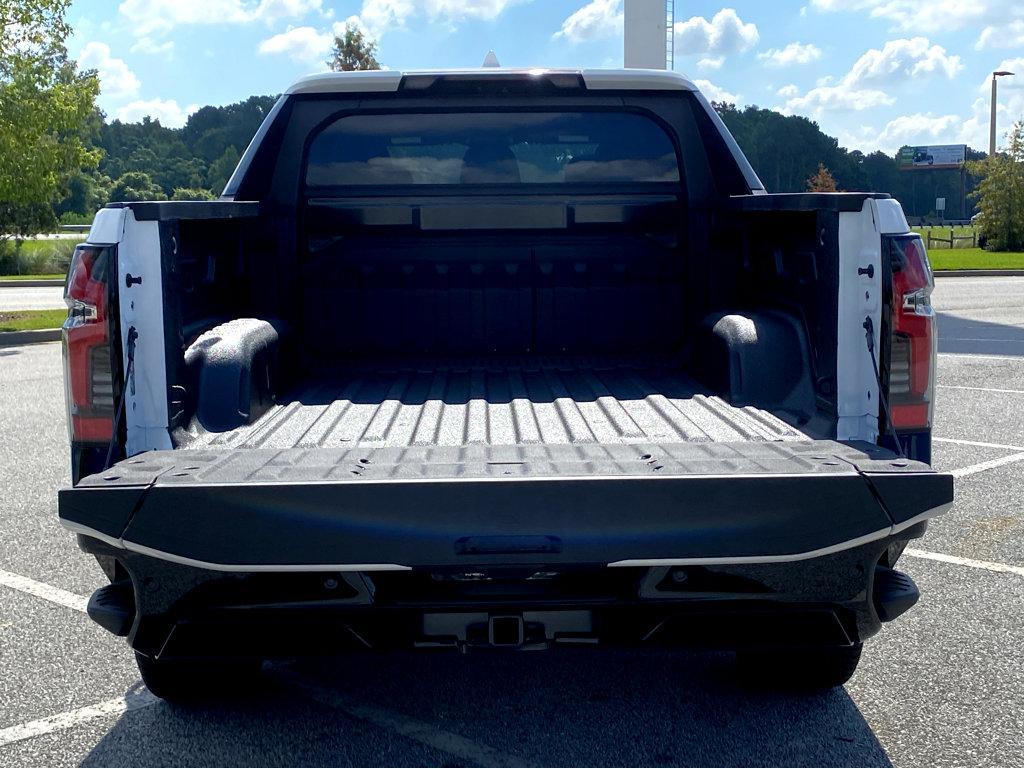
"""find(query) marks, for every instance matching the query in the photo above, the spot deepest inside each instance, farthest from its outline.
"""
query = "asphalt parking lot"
(32, 298)
(944, 685)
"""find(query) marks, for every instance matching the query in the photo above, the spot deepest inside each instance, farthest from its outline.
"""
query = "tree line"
(148, 161)
(62, 157)
(787, 150)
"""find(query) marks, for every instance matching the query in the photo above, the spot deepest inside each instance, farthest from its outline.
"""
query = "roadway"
(943, 685)
(31, 298)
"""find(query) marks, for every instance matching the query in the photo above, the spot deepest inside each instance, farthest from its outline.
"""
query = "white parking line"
(991, 464)
(980, 444)
(474, 753)
(42, 590)
(987, 565)
(979, 339)
(981, 389)
(73, 718)
(972, 356)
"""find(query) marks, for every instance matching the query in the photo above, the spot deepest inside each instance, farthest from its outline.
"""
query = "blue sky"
(877, 74)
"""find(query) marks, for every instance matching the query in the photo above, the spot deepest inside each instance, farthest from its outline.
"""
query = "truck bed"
(546, 401)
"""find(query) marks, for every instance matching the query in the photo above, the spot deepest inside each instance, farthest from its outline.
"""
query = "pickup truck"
(499, 359)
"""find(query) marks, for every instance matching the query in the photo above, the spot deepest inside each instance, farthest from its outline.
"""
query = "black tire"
(805, 669)
(196, 681)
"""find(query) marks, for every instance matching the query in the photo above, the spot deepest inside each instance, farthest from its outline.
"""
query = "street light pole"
(992, 121)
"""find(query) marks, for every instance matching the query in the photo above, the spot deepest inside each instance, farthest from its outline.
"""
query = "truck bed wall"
(645, 283)
(600, 289)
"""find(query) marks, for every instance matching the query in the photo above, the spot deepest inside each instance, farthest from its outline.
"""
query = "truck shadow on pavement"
(977, 337)
(572, 708)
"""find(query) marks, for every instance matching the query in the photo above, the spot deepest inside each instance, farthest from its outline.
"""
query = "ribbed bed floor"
(545, 401)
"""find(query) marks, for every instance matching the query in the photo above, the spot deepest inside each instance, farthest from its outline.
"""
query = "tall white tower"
(648, 34)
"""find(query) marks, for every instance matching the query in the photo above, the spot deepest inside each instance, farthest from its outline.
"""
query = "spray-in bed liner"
(501, 402)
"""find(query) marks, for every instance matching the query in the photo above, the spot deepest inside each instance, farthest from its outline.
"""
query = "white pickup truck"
(499, 360)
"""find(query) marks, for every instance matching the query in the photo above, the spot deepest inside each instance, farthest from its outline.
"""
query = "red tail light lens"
(88, 369)
(912, 344)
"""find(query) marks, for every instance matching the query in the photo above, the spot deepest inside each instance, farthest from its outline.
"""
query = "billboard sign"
(932, 156)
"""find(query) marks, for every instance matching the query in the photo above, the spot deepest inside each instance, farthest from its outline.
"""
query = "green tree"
(1001, 194)
(45, 105)
(211, 130)
(135, 185)
(221, 170)
(86, 192)
(191, 193)
(352, 51)
(22, 220)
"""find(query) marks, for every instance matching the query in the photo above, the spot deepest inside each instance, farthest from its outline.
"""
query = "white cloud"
(302, 44)
(713, 93)
(117, 81)
(148, 17)
(917, 129)
(788, 91)
(900, 60)
(149, 45)
(837, 97)
(596, 19)
(928, 128)
(711, 62)
(166, 111)
(794, 53)
(377, 17)
(861, 87)
(273, 11)
(725, 33)
(930, 15)
(1010, 35)
(457, 10)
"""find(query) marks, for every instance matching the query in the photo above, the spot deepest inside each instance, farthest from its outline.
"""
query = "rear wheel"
(194, 681)
(805, 669)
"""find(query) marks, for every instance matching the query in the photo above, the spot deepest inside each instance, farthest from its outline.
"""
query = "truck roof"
(382, 81)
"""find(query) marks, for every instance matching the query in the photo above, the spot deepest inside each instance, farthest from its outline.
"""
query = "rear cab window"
(491, 148)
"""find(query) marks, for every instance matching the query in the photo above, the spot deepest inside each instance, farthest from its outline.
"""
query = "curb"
(979, 273)
(14, 338)
(30, 283)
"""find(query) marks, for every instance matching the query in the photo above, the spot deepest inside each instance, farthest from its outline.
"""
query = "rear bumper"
(265, 553)
(169, 610)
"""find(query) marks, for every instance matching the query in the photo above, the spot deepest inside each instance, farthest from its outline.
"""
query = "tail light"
(88, 361)
(912, 344)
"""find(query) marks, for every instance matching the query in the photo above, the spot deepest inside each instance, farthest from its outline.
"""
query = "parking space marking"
(979, 357)
(972, 563)
(42, 590)
(982, 389)
(472, 752)
(990, 465)
(978, 339)
(979, 444)
(72, 718)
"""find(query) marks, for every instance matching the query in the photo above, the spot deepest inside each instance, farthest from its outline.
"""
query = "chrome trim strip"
(633, 562)
(788, 557)
(741, 559)
(124, 544)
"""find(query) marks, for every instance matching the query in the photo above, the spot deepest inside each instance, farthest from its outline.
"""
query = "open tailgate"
(395, 508)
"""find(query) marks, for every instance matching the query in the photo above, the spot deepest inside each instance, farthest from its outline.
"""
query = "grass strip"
(31, 320)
